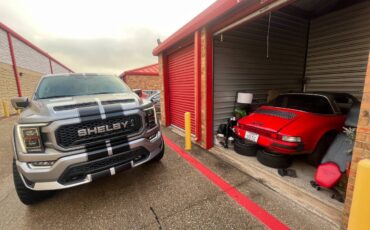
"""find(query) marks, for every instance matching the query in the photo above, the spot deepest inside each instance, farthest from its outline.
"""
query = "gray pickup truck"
(77, 128)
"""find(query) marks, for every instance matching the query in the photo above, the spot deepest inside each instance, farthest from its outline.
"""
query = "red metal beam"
(209, 90)
(28, 43)
(219, 14)
(14, 64)
(211, 13)
(245, 9)
(198, 96)
(238, 13)
(166, 89)
(51, 66)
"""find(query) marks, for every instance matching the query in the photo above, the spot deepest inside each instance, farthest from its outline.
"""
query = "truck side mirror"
(139, 92)
(20, 102)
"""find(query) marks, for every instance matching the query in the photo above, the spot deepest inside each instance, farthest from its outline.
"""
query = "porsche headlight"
(291, 139)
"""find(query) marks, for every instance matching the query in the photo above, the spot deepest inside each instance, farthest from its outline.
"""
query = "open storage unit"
(278, 45)
(291, 51)
(307, 46)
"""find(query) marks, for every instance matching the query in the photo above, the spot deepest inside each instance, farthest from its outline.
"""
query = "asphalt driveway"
(171, 194)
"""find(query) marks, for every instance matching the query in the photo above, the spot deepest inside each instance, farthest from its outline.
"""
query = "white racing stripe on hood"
(101, 109)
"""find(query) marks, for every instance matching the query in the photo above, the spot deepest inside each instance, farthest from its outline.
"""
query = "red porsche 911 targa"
(297, 123)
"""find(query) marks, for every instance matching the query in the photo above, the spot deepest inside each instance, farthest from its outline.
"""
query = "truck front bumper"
(73, 170)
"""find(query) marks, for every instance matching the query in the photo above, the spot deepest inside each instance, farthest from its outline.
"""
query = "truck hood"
(270, 119)
(48, 110)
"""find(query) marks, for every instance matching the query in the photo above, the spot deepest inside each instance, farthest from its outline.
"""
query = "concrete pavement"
(166, 195)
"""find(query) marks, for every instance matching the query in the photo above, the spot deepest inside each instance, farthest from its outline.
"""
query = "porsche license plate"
(251, 136)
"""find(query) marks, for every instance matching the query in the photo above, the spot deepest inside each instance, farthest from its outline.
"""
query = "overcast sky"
(106, 36)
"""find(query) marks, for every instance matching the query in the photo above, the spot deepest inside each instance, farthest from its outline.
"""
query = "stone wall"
(28, 58)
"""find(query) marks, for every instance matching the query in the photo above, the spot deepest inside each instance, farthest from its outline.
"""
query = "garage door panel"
(181, 86)
(181, 63)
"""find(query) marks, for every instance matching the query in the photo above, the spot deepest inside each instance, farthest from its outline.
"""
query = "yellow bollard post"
(187, 131)
(5, 109)
(359, 215)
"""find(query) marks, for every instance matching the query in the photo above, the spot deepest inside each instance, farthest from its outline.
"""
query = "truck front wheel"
(26, 195)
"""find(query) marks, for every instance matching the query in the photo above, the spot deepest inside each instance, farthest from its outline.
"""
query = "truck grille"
(67, 135)
(79, 171)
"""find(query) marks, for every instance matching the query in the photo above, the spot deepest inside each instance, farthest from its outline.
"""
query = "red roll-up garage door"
(181, 86)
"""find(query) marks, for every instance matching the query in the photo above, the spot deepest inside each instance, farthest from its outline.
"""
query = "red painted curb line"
(259, 213)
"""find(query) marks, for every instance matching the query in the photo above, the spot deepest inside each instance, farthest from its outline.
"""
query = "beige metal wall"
(338, 50)
(241, 62)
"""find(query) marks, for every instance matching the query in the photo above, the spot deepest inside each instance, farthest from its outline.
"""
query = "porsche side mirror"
(20, 102)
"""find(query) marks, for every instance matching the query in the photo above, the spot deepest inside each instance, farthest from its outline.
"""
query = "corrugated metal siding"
(4, 48)
(58, 68)
(181, 86)
(338, 50)
(29, 58)
(240, 61)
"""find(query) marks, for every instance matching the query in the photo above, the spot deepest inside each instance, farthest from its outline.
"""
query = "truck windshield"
(69, 86)
(308, 103)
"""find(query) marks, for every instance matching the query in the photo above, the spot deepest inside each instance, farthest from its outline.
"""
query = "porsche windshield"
(308, 103)
(78, 85)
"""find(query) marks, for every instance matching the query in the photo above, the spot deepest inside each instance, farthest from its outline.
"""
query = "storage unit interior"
(305, 47)
(309, 45)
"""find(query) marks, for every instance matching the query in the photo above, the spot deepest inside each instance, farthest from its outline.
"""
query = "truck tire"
(245, 148)
(26, 195)
(315, 158)
(159, 156)
(274, 160)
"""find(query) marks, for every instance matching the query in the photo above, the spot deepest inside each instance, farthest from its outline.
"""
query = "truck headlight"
(31, 139)
(291, 139)
(150, 117)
